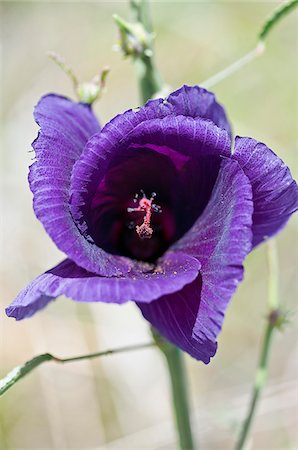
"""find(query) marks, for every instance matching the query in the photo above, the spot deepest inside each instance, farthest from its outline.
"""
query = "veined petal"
(187, 101)
(220, 239)
(194, 101)
(65, 127)
(173, 272)
(174, 316)
(275, 193)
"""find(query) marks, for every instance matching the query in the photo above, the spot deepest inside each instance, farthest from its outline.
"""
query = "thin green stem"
(260, 380)
(234, 67)
(114, 351)
(178, 379)
(19, 372)
(272, 256)
(140, 13)
(65, 67)
(149, 79)
(274, 18)
(280, 12)
(272, 323)
(177, 374)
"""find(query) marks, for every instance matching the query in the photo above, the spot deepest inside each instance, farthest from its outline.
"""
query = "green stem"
(269, 24)
(260, 380)
(19, 372)
(177, 375)
(280, 12)
(271, 324)
(149, 79)
(234, 67)
(272, 257)
(140, 13)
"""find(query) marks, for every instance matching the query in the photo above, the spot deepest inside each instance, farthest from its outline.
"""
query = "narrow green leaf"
(276, 16)
(20, 371)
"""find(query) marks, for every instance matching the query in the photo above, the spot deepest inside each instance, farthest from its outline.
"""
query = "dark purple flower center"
(183, 186)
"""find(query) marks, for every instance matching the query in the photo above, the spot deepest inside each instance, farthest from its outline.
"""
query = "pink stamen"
(147, 206)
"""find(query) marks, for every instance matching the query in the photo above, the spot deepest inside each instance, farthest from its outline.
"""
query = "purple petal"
(194, 101)
(187, 101)
(220, 240)
(65, 127)
(174, 316)
(275, 193)
(172, 273)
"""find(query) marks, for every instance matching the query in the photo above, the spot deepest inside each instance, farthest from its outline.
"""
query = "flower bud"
(135, 41)
(88, 92)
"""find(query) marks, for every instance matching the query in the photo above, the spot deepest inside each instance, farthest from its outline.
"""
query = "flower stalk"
(177, 374)
(260, 380)
(275, 319)
(149, 79)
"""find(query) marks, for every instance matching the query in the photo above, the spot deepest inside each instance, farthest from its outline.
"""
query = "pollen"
(147, 207)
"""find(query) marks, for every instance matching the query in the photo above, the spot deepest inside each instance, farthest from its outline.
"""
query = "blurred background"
(122, 401)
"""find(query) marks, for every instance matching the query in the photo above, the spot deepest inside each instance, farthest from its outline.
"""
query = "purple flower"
(177, 247)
